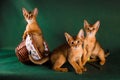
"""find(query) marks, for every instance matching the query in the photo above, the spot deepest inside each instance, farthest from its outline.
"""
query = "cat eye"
(26, 15)
(88, 29)
(78, 41)
(72, 42)
(93, 29)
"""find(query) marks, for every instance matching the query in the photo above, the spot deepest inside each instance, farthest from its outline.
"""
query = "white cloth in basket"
(31, 49)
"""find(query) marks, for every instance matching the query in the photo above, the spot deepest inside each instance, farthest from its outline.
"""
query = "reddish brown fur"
(91, 46)
(33, 29)
(71, 52)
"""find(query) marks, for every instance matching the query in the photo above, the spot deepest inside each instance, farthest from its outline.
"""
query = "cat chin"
(75, 47)
(29, 21)
(90, 34)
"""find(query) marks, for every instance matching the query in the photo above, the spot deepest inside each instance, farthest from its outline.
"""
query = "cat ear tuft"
(81, 34)
(24, 11)
(97, 24)
(67, 36)
(86, 23)
(35, 11)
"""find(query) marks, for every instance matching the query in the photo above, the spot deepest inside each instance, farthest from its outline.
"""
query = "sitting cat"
(92, 48)
(72, 52)
(35, 32)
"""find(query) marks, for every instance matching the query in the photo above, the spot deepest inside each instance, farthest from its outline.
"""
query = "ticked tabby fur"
(92, 48)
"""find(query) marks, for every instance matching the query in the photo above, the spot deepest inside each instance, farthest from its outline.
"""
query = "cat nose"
(75, 46)
(29, 17)
(90, 31)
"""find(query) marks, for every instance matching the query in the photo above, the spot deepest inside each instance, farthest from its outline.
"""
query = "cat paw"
(64, 70)
(102, 63)
(78, 71)
(23, 37)
(84, 69)
(61, 69)
(83, 63)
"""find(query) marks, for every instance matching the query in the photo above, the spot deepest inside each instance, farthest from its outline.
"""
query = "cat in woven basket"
(71, 51)
(34, 32)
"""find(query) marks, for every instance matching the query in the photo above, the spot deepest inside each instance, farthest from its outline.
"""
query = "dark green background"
(56, 17)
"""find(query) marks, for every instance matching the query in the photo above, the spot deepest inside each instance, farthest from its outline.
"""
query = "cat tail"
(107, 53)
(39, 62)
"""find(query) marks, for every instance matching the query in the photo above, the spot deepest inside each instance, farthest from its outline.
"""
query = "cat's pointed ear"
(86, 23)
(67, 36)
(97, 25)
(35, 11)
(24, 11)
(81, 34)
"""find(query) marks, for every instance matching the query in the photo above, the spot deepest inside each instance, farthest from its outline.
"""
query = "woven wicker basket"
(22, 53)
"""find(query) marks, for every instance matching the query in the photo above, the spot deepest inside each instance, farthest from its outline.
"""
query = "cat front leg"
(74, 64)
(101, 56)
(86, 57)
(81, 65)
(58, 64)
(24, 35)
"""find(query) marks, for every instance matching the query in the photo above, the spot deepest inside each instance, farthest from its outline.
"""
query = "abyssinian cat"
(33, 29)
(72, 52)
(92, 47)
